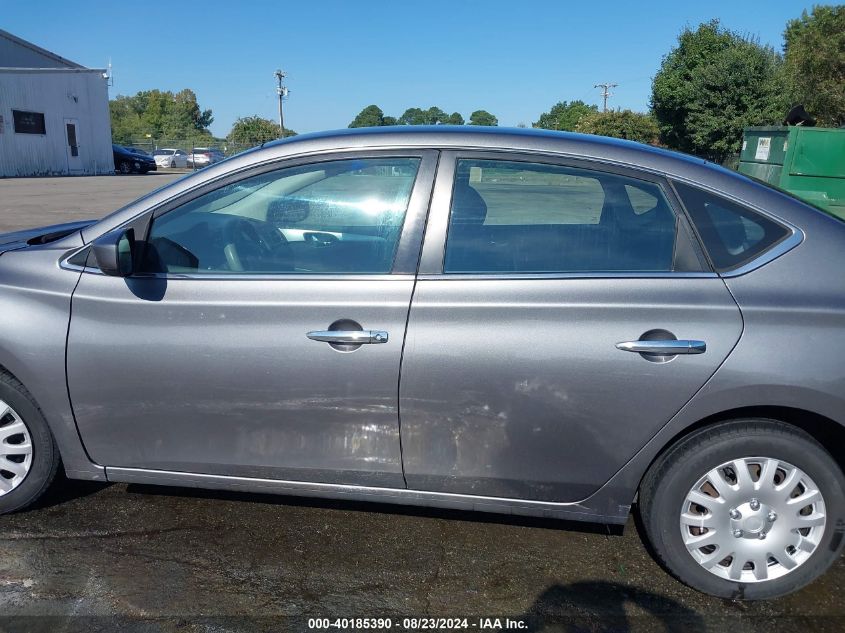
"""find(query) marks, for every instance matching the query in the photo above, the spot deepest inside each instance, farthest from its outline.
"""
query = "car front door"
(540, 280)
(261, 333)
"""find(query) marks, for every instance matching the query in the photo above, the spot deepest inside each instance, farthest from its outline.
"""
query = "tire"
(124, 167)
(737, 525)
(44, 461)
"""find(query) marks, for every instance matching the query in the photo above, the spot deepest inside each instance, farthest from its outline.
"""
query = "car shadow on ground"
(607, 606)
(63, 490)
(380, 508)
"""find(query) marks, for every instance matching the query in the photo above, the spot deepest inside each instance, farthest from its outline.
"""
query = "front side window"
(525, 217)
(732, 234)
(341, 216)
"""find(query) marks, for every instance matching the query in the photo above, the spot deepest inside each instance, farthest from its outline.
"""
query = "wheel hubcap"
(15, 449)
(753, 519)
(752, 523)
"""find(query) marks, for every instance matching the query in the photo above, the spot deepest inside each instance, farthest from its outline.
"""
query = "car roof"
(465, 136)
(604, 149)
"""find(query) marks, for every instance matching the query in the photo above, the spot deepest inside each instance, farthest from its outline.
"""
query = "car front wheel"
(28, 455)
(747, 509)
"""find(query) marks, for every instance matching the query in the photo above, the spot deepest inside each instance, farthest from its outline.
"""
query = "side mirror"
(114, 252)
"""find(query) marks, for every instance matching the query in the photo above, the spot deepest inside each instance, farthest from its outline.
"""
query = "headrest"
(468, 207)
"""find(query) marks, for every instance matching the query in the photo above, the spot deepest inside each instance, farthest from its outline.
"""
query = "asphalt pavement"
(96, 557)
(31, 202)
(109, 557)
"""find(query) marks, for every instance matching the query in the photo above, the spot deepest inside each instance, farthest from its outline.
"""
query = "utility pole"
(282, 91)
(605, 93)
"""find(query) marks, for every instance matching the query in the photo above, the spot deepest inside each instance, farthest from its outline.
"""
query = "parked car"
(582, 325)
(170, 158)
(204, 156)
(128, 160)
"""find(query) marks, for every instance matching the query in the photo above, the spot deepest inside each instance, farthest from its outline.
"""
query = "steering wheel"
(245, 249)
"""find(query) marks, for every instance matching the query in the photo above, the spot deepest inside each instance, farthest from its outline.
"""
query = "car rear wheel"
(28, 455)
(748, 509)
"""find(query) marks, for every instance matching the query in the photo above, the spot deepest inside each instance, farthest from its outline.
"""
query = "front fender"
(35, 296)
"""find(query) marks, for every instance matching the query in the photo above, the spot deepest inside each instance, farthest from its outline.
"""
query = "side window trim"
(793, 237)
(410, 239)
(695, 251)
(434, 248)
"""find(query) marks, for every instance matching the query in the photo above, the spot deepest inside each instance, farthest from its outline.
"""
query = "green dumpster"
(808, 162)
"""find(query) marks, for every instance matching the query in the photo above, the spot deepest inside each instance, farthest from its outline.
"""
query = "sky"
(514, 59)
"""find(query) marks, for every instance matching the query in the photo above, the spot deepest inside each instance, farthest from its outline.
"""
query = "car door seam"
(408, 317)
(67, 374)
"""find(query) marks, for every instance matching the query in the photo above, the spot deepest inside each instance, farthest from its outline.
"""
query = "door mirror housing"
(114, 252)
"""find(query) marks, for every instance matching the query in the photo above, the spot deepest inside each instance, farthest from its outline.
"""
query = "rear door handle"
(668, 347)
(351, 337)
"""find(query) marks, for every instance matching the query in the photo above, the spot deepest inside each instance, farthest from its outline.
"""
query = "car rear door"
(540, 279)
(262, 335)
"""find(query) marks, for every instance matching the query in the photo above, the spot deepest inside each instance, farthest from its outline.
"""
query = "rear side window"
(523, 217)
(732, 234)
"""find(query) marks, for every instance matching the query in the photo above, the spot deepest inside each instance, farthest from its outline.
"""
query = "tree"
(184, 113)
(712, 85)
(371, 116)
(254, 130)
(159, 114)
(564, 116)
(435, 116)
(634, 126)
(814, 63)
(412, 116)
(482, 117)
(418, 116)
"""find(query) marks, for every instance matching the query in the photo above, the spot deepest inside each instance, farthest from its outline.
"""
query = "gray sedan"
(507, 321)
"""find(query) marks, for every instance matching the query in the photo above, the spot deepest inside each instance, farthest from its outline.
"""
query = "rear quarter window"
(732, 234)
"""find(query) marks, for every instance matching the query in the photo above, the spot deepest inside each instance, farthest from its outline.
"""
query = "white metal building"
(54, 114)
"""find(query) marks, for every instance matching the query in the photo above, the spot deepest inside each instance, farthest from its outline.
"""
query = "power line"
(605, 93)
(282, 91)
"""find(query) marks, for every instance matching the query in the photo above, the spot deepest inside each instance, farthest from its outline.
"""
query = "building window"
(29, 122)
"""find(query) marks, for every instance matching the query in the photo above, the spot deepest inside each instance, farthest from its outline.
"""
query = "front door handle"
(668, 347)
(349, 337)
